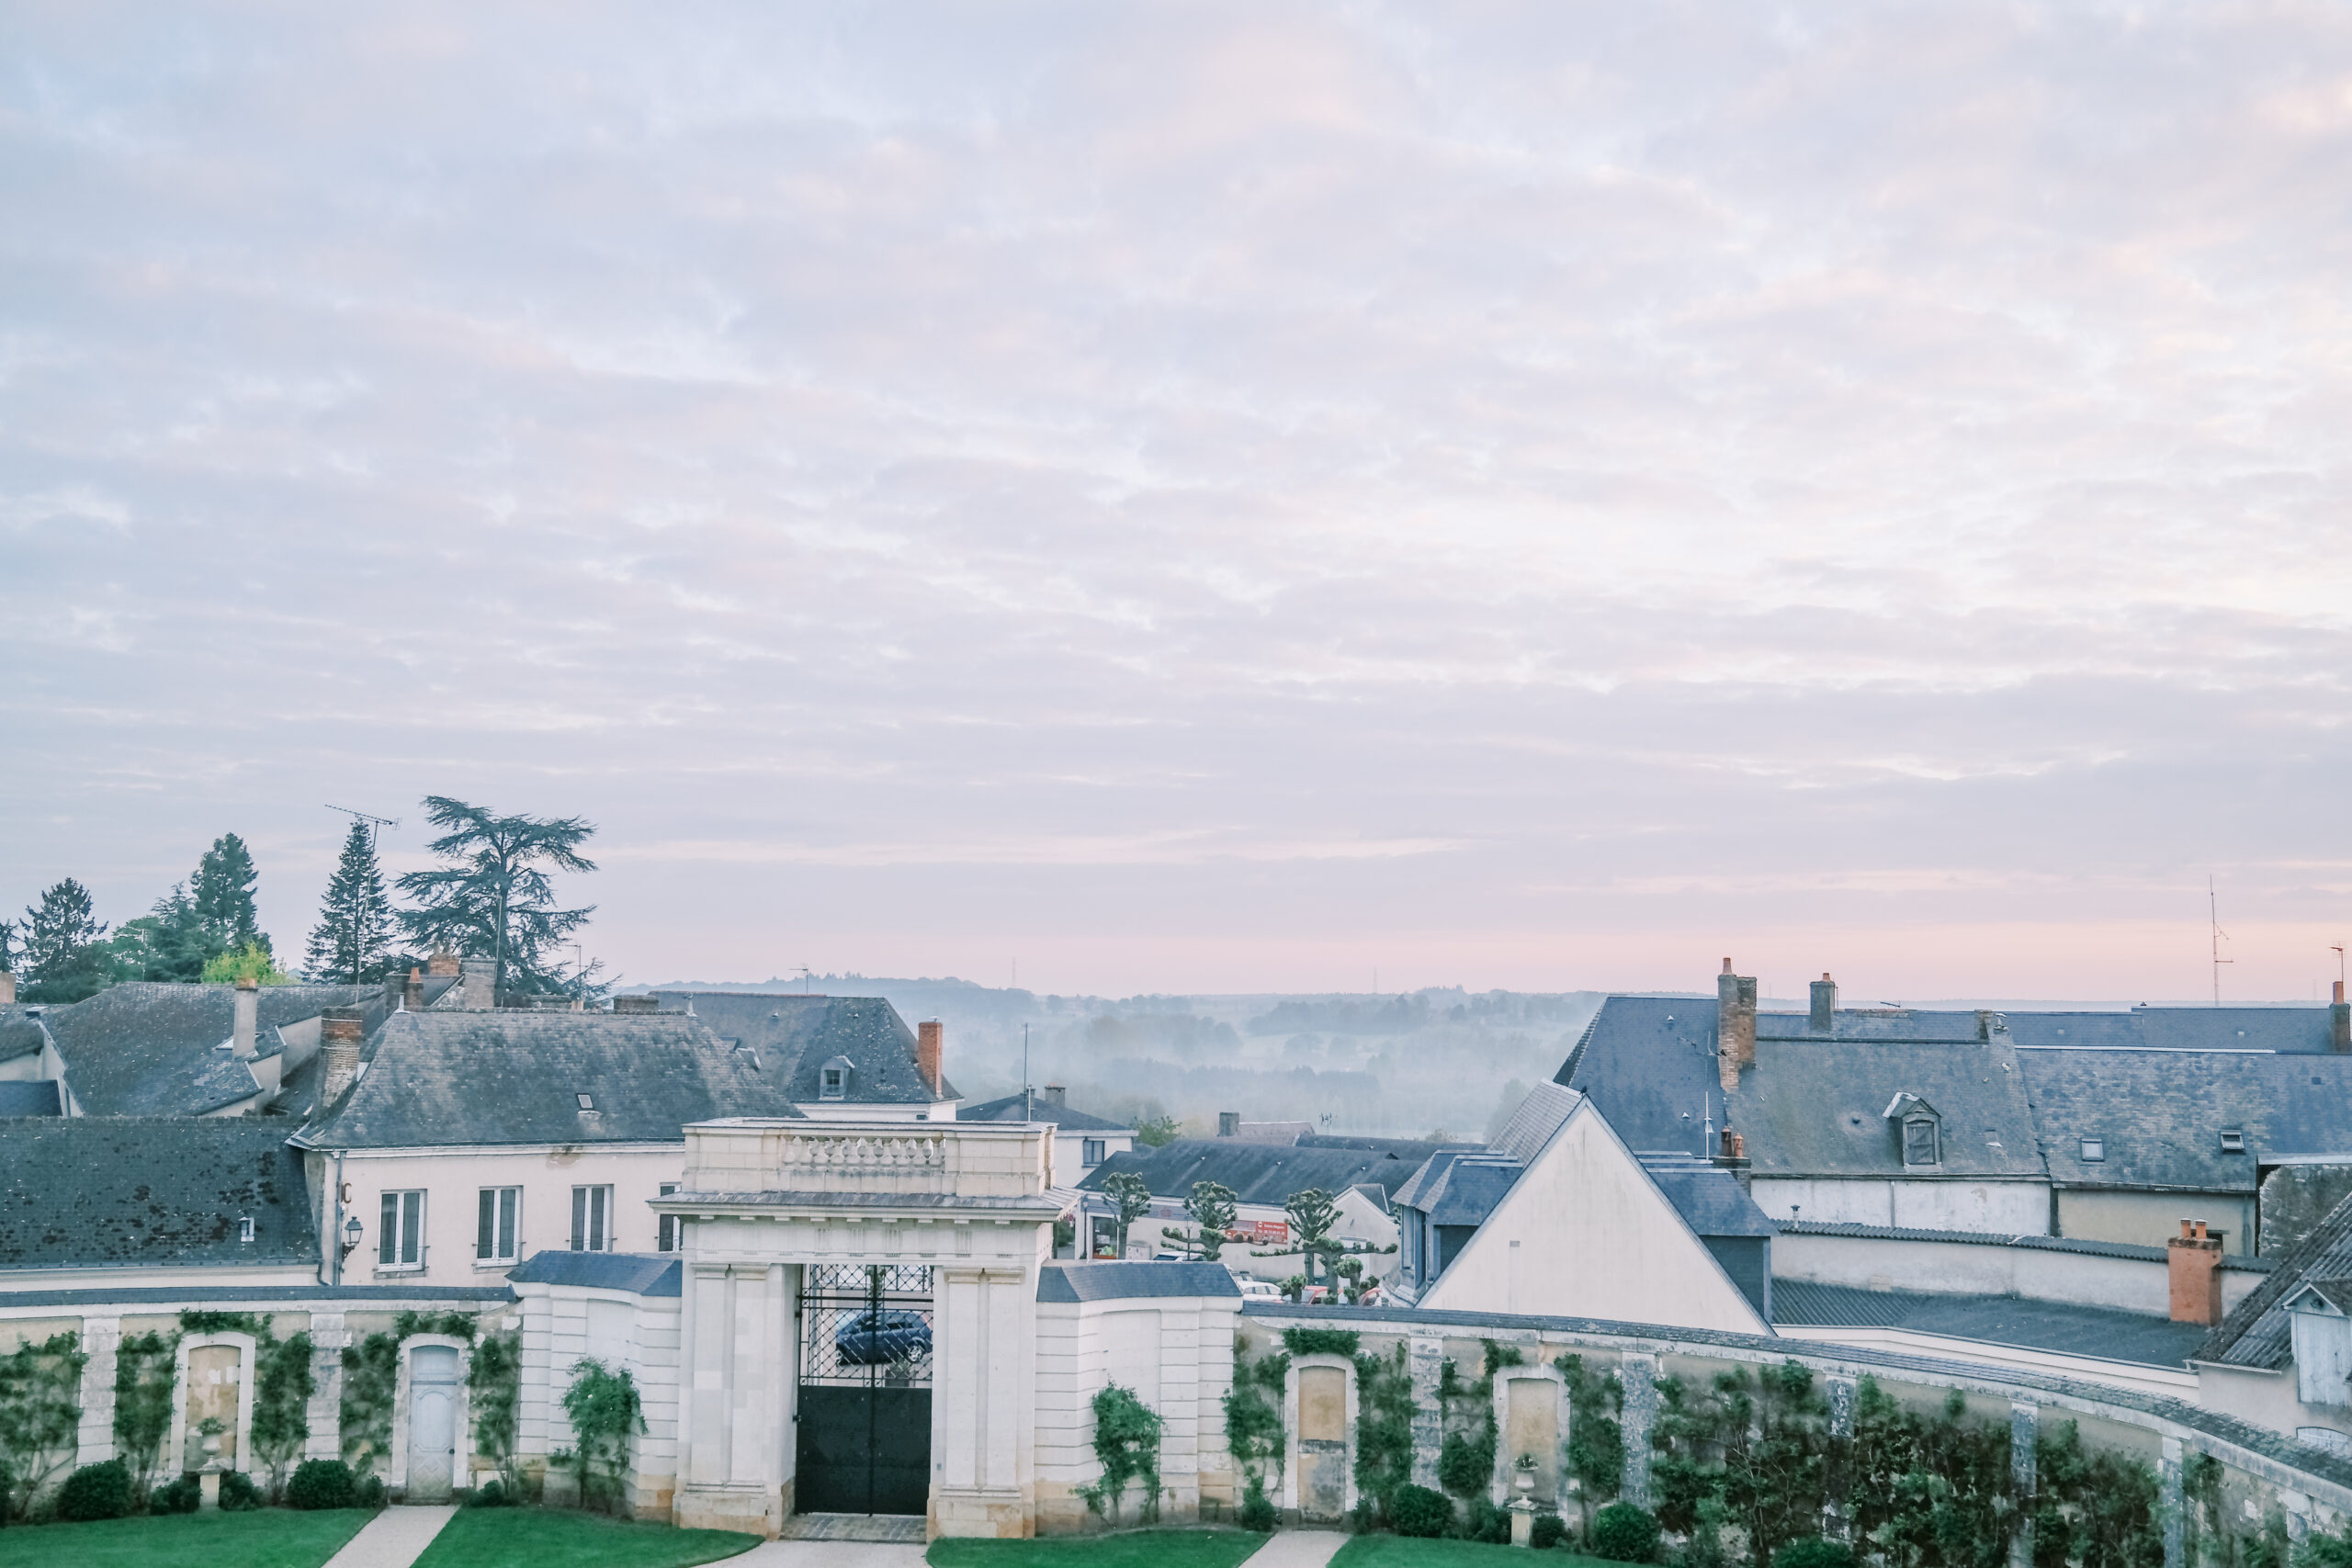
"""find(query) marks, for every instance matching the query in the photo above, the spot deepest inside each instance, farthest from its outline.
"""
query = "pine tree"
(353, 941)
(169, 943)
(496, 901)
(65, 960)
(223, 895)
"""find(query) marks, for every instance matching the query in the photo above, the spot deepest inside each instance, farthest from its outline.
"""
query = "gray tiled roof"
(2302, 1030)
(1037, 1108)
(20, 1033)
(799, 1033)
(514, 1077)
(1710, 1200)
(639, 1273)
(30, 1097)
(2245, 1261)
(1130, 1279)
(1817, 1107)
(1258, 1173)
(147, 1049)
(2160, 1114)
(1997, 1320)
(1459, 1186)
(1648, 1066)
(104, 1192)
(2257, 1332)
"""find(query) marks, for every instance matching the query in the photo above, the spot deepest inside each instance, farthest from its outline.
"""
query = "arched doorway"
(434, 1381)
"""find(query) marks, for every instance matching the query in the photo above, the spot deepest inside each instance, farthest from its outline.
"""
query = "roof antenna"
(2213, 914)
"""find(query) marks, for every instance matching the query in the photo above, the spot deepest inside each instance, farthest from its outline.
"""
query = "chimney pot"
(1229, 1123)
(2339, 1022)
(648, 1003)
(8, 989)
(1824, 1017)
(931, 1056)
(442, 962)
(339, 1032)
(247, 1016)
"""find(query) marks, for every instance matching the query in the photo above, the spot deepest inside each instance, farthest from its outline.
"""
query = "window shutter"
(578, 1218)
(509, 1207)
(413, 1227)
(486, 1226)
(387, 1231)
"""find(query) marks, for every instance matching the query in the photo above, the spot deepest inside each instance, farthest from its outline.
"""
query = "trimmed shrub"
(1813, 1552)
(1258, 1510)
(96, 1492)
(322, 1484)
(1623, 1532)
(1550, 1530)
(181, 1496)
(492, 1495)
(368, 1492)
(238, 1493)
(1418, 1511)
(1488, 1523)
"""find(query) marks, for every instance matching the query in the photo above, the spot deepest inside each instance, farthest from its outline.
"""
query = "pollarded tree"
(65, 960)
(223, 893)
(353, 941)
(1312, 1215)
(1212, 1206)
(496, 898)
(1134, 1198)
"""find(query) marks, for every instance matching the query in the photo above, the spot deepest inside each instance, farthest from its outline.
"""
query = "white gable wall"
(1585, 1233)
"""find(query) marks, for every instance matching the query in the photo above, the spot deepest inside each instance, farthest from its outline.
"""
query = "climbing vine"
(450, 1325)
(1596, 1433)
(1384, 1427)
(370, 1373)
(144, 1375)
(1253, 1417)
(41, 1417)
(495, 1391)
(1126, 1443)
(605, 1414)
(283, 1384)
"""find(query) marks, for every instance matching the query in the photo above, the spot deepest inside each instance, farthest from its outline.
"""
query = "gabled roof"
(2160, 1114)
(1648, 1066)
(1459, 1186)
(2299, 1030)
(1819, 1106)
(1037, 1108)
(1265, 1174)
(1710, 1200)
(796, 1034)
(2257, 1332)
(436, 1079)
(107, 1191)
(639, 1273)
(148, 1048)
(1132, 1279)
(20, 1033)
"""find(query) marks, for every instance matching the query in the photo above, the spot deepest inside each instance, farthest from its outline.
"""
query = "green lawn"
(1397, 1552)
(555, 1537)
(1140, 1548)
(271, 1537)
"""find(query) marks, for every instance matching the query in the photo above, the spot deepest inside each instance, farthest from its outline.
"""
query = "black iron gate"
(865, 1443)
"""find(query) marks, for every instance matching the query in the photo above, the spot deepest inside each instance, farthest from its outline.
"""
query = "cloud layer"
(1200, 498)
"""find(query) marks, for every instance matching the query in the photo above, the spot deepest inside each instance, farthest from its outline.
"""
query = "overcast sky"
(1204, 499)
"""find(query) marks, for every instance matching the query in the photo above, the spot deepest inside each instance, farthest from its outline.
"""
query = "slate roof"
(124, 1192)
(20, 1033)
(2296, 1030)
(1906, 1025)
(1710, 1200)
(2160, 1114)
(1817, 1107)
(2246, 1261)
(796, 1034)
(438, 1078)
(1037, 1108)
(1997, 1320)
(1648, 1066)
(1264, 1174)
(1132, 1280)
(30, 1097)
(2257, 1332)
(1459, 1186)
(147, 1049)
(639, 1273)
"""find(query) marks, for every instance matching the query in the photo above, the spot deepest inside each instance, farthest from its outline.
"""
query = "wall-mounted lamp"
(352, 1232)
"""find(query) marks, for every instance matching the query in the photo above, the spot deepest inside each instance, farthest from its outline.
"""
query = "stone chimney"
(647, 1003)
(479, 981)
(339, 1030)
(2339, 1022)
(248, 1016)
(2195, 1256)
(1056, 1094)
(931, 1054)
(1229, 1123)
(1734, 1025)
(8, 989)
(413, 993)
(442, 962)
(1825, 1005)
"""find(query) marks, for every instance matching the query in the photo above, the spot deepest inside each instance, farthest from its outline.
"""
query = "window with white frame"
(399, 1231)
(1089, 1152)
(834, 1084)
(499, 1225)
(673, 1225)
(592, 1219)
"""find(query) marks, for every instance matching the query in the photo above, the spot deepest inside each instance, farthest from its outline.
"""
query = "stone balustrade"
(941, 1158)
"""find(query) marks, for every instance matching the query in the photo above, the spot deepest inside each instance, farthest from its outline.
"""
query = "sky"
(1205, 498)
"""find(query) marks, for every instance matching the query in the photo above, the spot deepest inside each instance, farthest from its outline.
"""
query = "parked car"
(1259, 1291)
(876, 1338)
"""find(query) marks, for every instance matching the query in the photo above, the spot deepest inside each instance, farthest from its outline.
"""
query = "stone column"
(1638, 1374)
(101, 1341)
(2025, 1428)
(736, 1367)
(1426, 1360)
(2170, 1497)
(983, 1414)
(328, 1337)
(1835, 1525)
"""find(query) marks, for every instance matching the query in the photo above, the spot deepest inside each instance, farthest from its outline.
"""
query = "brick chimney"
(1056, 1094)
(2195, 1256)
(1229, 1123)
(339, 1030)
(1825, 1005)
(413, 993)
(479, 978)
(2339, 1022)
(8, 989)
(1734, 1025)
(442, 962)
(248, 1017)
(931, 1054)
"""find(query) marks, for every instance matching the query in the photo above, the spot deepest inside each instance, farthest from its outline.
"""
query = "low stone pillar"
(102, 1342)
(2171, 1496)
(1523, 1522)
(1835, 1525)
(328, 1337)
(2025, 1429)
(1425, 1359)
(208, 1489)
(1638, 1376)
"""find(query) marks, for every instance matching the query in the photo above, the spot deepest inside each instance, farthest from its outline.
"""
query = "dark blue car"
(876, 1338)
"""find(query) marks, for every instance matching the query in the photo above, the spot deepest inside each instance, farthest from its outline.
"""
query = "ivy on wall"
(144, 1376)
(1383, 1427)
(1596, 1433)
(606, 1413)
(1126, 1444)
(1253, 1418)
(283, 1384)
(370, 1373)
(41, 1417)
(494, 1393)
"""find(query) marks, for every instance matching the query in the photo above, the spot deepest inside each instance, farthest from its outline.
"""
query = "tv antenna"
(2213, 914)
(803, 978)
(373, 823)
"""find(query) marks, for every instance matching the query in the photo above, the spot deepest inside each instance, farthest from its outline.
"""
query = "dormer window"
(835, 1083)
(1919, 1141)
(2232, 1141)
(245, 1229)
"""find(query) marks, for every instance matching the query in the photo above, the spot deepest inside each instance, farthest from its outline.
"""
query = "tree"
(223, 895)
(1157, 1131)
(496, 899)
(169, 943)
(1312, 1215)
(64, 961)
(353, 941)
(1212, 1208)
(253, 962)
(1127, 1190)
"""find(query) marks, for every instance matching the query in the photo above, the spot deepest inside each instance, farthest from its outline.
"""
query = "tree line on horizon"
(492, 896)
